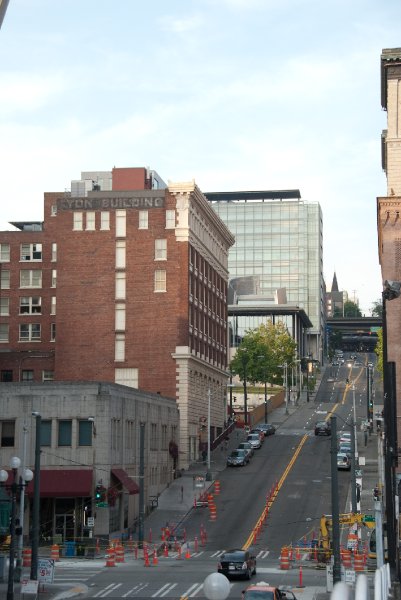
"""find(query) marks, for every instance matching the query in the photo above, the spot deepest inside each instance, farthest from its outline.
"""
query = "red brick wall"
(129, 179)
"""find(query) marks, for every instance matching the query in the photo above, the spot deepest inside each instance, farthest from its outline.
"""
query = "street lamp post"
(244, 360)
(208, 474)
(18, 566)
(14, 487)
(36, 500)
(334, 503)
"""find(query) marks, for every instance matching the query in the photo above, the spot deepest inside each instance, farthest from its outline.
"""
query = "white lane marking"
(136, 588)
(163, 591)
(107, 590)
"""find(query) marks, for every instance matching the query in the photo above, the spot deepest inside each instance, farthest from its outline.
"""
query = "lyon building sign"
(108, 203)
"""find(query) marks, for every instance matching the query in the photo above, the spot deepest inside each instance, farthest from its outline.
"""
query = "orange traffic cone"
(155, 559)
(187, 553)
(146, 557)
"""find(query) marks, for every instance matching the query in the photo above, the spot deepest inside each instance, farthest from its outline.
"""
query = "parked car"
(345, 436)
(254, 440)
(343, 461)
(247, 446)
(345, 449)
(237, 563)
(237, 458)
(322, 428)
(267, 428)
(260, 433)
(264, 591)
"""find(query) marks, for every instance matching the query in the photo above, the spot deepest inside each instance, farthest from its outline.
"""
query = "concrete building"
(127, 285)
(90, 436)
(278, 249)
(335, 300)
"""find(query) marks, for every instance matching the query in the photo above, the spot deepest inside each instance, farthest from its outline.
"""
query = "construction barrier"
(346, 558)
(55, 552)
(284, 559)
(212, 512)
(26, 557)
(217, 488)
(110, 560)
(120, 553)
(359, 562)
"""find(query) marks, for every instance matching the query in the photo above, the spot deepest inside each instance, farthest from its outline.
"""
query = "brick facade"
(109, 322)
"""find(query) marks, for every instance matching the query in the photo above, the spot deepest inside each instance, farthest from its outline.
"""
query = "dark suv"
(322, 428)
(237, 563)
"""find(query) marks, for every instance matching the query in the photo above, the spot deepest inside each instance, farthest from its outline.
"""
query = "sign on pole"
(45, 570)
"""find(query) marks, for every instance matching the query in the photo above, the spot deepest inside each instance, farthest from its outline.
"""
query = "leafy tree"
(379, 351)
(263, 352)
(377, 309)
(351, 309)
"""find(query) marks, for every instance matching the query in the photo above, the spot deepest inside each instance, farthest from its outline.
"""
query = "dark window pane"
(6, 376)
(64, 433)
(46, 433)
(7, 433)
(85, 433)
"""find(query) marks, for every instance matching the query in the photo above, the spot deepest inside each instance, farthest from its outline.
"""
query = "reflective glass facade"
(282, 243)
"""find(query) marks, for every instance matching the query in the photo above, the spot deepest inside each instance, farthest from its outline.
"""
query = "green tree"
(379, 352)
(351, 309)
(377, 309)
(263, 352)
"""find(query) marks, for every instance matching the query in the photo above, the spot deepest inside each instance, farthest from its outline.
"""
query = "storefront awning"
(130, 485)
(63, 483)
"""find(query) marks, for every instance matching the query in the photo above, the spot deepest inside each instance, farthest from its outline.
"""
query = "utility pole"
(141, 483)
(335, 513)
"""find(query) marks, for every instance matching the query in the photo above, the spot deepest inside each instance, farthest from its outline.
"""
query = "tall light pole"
(335, 513)
(14, 487)
(244, 360)
(36, 500)
(208, 474)
(141, 483)
(18, 566)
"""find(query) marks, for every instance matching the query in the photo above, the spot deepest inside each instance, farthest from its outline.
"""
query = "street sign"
(45, 570)
(368, 519)
(199, 481)
(91, 521)
(29, 587)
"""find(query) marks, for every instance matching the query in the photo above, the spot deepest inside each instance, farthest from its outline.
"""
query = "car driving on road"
(237, 563)
(322, 428)
(264, 591)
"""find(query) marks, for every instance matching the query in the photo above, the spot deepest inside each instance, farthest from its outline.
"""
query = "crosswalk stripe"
(107, 590)
(137, 588)
(163, 591)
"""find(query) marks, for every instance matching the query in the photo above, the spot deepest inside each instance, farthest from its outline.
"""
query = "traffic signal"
(100, 495)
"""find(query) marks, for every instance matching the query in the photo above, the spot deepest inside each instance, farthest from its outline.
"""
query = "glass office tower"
(279, 239)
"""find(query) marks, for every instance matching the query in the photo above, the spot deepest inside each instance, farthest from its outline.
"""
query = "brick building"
(127, 285)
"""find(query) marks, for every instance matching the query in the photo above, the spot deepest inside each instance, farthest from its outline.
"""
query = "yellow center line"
(279, 485)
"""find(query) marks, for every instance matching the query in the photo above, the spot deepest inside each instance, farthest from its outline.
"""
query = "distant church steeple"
(334, 285)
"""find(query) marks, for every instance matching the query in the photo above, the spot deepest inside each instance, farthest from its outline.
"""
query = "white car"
(254, 440)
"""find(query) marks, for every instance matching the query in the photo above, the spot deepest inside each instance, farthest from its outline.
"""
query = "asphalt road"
(295, 464)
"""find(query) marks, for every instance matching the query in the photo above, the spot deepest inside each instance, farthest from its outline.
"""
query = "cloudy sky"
(236, 94)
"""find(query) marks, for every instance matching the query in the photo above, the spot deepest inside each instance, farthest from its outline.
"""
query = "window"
(120, 317)
(85, 429)
(52, 332)
(4, 306)
(77, 221)
(31, 252)
(4, 332)
(47, 375)
(7, 434)
(153, 437)
(53, 210)
(4, 252)
(6, 376)
(54, 278)
(54, 252)
(143, 219)
(64, 433)
(164, 437)
(121, 223)
(160, 281)
(127, 377)
(120, 254)
(27, 375)
(119, 353)
(46, 433)
(29, 332)
(120, 286)
(104, 220)
(170, 219)
(53, 305)
(90, 220)
(160, 249)
(30, 305)
(30, 278)
(5, 280)
(130, 434)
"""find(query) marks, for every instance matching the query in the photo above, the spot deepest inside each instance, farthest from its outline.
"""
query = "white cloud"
(26, 92)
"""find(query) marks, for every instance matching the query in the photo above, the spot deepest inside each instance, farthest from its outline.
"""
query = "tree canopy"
(377, 309)
(351, 309)
(263, 353)
(379, 351)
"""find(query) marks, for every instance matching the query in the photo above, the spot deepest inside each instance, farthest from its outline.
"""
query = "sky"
(236, 94)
